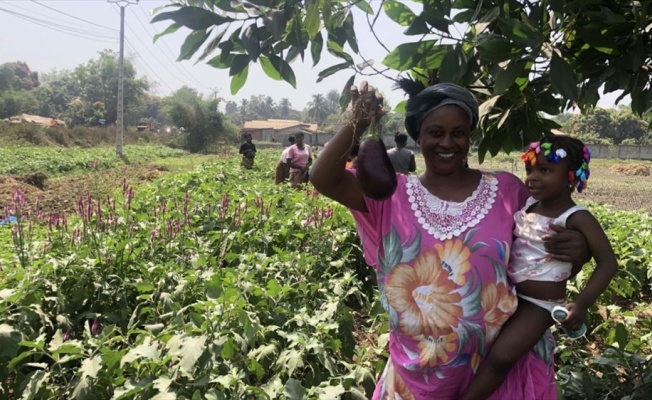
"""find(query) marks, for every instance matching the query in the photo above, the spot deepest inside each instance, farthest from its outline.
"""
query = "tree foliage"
(609, 127)
(521, 58)
(199, 118)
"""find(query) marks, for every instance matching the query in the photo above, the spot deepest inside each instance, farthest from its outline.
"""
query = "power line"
(72, 16)
(61, 28)
(170, 52)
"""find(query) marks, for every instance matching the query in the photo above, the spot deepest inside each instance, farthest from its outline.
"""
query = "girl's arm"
(606, 267)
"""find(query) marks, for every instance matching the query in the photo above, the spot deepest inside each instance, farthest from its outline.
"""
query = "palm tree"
(318, 109)
(284, 108)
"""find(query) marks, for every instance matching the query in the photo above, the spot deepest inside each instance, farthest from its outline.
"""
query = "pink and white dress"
(442, 275)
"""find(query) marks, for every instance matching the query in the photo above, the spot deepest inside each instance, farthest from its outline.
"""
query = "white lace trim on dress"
(445, 219)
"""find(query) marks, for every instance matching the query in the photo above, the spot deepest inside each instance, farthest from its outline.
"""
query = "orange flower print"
(395, 388)
(455, 259)
(498, 304)
(435, 350)
(424, 297)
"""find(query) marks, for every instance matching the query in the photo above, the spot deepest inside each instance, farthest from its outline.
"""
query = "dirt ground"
(61, 194)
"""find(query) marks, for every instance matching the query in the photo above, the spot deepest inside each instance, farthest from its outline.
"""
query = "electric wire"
(72, 16)
(169, 51)
(61, 28)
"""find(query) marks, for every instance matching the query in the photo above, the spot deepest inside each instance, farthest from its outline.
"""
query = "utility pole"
(119, 124)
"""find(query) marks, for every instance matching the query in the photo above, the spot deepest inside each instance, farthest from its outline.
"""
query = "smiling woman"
(439, 246)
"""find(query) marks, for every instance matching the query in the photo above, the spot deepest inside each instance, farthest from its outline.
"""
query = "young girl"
(248, 151)
(554, 167)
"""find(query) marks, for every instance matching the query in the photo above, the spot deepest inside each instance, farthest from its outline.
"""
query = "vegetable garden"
(217, 284)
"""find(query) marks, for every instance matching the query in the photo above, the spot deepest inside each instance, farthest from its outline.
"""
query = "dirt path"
(62, 193)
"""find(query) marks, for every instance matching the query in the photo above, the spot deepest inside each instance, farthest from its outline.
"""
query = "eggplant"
(375, 172)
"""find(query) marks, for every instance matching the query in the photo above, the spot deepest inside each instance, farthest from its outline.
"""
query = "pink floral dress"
(441, 270)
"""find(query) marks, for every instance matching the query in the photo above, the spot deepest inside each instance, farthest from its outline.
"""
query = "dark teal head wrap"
(420, 105)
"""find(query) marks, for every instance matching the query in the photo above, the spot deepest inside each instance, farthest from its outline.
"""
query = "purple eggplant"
(375, 173)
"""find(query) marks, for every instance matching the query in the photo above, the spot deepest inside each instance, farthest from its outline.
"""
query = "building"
(278, 130)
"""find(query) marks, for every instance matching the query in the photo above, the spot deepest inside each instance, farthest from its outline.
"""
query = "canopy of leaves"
(521, 58)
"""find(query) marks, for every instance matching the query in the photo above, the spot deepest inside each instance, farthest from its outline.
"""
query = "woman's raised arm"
(329, 175)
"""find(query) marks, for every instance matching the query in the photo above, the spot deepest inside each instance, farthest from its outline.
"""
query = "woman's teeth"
(446, 155)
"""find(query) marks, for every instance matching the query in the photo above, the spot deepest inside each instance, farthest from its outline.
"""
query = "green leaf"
(170, 29)
(251, 42)
(312, 22)
(34, 385)
(91, 366)
(335, 49)
(239, 63)
(269, 69)
(507, 76)
(621, 336)
(9, 339)
(351, 38)
(212, 45)
(194, 18)
(293, 389)
(238, 81)
(518, 31)
(316, 46)
(453, 66)
(364, 6)
(144, 287)
(398, 12)
(562, 78)
(192, 348)
(275, 22)
(418, 26)
(331, 70)
(192, 43)
(495, 48)
(284, 69)
(425, 54)
(345, 97)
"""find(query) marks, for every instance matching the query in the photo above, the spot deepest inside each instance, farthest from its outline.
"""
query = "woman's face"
(299, 139)
(445, 139)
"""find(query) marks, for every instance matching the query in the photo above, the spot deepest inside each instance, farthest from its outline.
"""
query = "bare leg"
(518, 336)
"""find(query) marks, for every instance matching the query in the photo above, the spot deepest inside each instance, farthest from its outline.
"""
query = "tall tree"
(318, 109)
(284, 108)
(520, 57)
(200, 119)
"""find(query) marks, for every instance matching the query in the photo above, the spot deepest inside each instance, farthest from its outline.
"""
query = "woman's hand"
(567, 245)
(366, 106)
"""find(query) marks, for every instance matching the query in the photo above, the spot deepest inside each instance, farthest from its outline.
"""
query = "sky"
(62, 34)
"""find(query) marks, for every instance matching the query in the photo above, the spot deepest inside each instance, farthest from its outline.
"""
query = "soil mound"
(37, 179)
(630, 169)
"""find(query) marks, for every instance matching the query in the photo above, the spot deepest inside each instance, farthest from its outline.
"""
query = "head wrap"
(418, 107)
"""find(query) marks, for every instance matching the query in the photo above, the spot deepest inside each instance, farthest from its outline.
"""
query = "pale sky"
(61, 34)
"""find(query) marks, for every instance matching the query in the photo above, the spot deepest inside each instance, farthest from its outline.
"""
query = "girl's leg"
(518, 336)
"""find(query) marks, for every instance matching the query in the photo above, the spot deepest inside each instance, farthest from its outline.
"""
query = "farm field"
(207, 281)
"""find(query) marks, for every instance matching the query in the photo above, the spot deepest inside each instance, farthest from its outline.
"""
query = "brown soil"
(61, 194)
(630, 169)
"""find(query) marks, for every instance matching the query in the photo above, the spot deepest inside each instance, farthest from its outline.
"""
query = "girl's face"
(445, 139)
(547, 180)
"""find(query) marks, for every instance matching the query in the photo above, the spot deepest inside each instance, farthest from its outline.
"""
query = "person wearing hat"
(401, 157)
(440, 247)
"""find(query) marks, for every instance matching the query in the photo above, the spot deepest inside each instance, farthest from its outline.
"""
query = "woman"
(440, 247)
(299, 159)
(248, 151)
(282, 172)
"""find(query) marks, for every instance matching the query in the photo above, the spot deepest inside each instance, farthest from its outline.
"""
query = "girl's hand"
(576, 316)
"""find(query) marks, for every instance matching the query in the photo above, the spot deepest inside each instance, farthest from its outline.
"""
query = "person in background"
(555, 166)
(299, 160)
(352, 161)
(282, 169)
(248, 151)
(402, 158)
(440, 247)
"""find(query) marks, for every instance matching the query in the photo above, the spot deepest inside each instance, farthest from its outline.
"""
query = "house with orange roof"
(278, 130)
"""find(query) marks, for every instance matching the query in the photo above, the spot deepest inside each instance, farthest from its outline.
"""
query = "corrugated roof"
(278, 124)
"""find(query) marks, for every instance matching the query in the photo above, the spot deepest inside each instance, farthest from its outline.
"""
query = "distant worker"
(248, 151)
(402, 159)
(53, 122)
(299, 159)
(282, 168)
